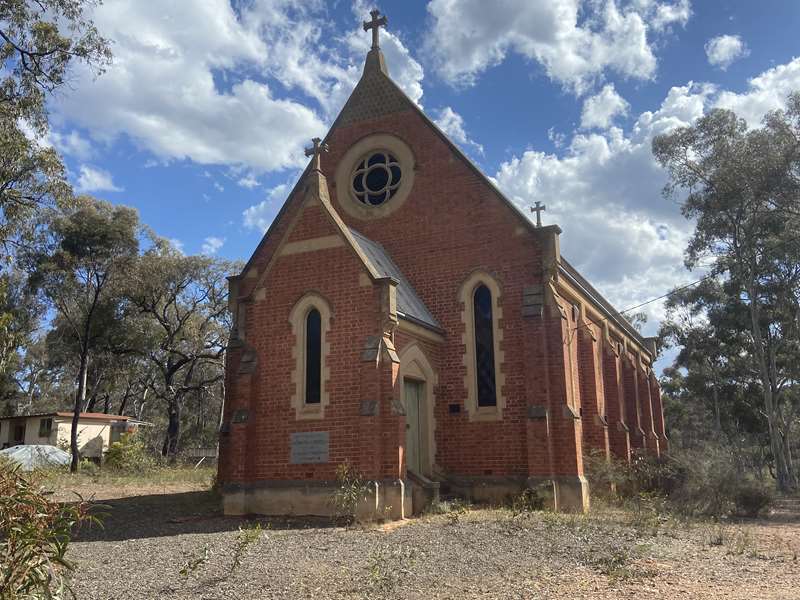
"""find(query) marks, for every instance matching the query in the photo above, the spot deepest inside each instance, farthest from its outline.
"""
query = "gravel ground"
(173, 543)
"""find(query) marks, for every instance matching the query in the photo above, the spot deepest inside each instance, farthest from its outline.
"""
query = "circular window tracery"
(377, 178)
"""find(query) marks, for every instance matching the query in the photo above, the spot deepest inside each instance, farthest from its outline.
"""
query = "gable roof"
(376, 95)
(409, 305)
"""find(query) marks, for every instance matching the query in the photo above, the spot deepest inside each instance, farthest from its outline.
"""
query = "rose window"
(376, 178)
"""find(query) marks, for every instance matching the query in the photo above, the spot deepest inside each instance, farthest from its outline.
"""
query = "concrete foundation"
(389, 499)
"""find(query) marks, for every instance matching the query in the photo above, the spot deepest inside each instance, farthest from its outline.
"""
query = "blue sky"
(201, 120)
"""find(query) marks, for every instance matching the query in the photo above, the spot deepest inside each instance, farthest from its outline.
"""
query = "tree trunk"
(170, 448)
(783, 476)
(80, 397)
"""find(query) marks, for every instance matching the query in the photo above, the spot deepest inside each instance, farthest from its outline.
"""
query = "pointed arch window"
(484, 346)
(311, 319)
(482, 317)
(313, 370)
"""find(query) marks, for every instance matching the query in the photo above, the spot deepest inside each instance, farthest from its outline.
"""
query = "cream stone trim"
(475, 412)
(310, 245)
(297, 318)
(568, 292)
(375, 142)
(415, 365)
(419, 331)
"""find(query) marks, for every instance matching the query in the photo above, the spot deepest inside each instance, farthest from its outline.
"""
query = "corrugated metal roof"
(409, 304)
(84, 415)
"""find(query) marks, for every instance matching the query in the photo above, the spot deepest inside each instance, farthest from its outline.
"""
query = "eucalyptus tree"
(39, 41)
(185, 301)
(742, 188)
(80, 271)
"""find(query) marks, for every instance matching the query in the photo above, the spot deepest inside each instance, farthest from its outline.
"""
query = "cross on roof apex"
(538, 209)
(375, 24)
(316, 151)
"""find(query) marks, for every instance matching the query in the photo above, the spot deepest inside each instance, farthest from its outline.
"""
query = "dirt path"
(177, 545)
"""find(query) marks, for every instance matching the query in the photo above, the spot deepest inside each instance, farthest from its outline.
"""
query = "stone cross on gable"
(375, 24)
(316, 151)
(538, 209)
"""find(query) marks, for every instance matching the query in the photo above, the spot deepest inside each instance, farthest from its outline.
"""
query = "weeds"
(619, 563)
(248, 535)
(453, 510)
(387, 565)
(194, 561)
(533, 499)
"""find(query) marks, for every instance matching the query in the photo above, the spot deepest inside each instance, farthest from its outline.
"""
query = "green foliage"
(707, 483)
(38, 42)
(34, 536)
(193, 561)
(351, 490)
(751, 499)
(88, 467)
(533, 499)
(248, 535)
(739, 331)
(129, 455)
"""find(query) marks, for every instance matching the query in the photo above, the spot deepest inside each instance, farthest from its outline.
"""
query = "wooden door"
(414, 405)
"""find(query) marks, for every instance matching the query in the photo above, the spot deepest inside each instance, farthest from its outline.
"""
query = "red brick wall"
(595, 434)
(451, 224)
(618, 437)
(333, 274)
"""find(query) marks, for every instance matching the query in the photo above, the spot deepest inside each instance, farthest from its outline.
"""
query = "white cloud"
(249, 181)
(599, 110)
(259, 216)
(574, 42)
(211, 245)
(194, 84)
(92, 179)
(665, 15)
(452, 124)
(766, 92)
(71, 144)
(605, 193)
(722, 51)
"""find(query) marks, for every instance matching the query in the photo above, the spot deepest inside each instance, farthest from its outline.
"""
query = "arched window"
(484, 346)
(313, 369)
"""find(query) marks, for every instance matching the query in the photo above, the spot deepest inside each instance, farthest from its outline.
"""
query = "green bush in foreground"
(34, 535)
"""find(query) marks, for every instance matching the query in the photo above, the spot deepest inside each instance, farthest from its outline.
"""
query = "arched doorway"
(417, 381)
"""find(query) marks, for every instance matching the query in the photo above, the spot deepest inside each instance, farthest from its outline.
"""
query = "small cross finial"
(375, 24)
(538, 209)
(316, 151)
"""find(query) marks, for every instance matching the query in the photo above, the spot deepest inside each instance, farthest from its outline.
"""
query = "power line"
(668, 294)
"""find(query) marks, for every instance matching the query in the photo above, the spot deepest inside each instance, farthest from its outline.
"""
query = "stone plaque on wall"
(309, 447)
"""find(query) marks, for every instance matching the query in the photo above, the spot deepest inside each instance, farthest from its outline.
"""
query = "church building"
(403, 317)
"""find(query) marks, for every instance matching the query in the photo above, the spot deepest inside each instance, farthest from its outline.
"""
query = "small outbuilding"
(96, 431)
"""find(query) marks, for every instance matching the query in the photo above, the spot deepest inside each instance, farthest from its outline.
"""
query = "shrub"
(129, 455)
(350, 491)
(751, 499)
(531, 499)
(88, 467)
(707, 482)
(34, 535)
